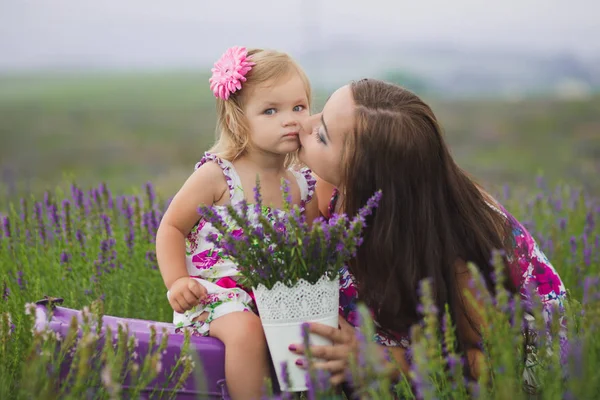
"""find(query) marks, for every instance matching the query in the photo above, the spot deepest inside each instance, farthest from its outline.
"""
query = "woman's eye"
(320, 136)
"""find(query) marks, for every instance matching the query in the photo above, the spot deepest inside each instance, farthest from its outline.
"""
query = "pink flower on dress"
(206, 259)
(546, 279)
(229, 72)
(352, 318)
(192, 237)
(226, 282)
(209, 299)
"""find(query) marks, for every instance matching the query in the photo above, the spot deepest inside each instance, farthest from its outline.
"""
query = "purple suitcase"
(211, 351)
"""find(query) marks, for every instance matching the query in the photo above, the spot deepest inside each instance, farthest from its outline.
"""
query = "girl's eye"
(299, 108)
(269, 111)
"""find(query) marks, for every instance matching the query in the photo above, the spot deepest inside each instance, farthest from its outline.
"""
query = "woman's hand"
(335, 358)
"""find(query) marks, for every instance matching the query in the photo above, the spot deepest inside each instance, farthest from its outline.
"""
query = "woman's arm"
(470, 322)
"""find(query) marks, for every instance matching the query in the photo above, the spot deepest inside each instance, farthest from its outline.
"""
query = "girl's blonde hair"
(233, 133)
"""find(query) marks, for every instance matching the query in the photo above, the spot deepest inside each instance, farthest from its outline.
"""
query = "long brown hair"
(431, 213)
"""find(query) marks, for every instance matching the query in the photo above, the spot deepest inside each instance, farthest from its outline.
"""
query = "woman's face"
(323, 135)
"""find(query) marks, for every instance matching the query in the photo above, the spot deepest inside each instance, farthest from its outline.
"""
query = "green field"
(127, 129)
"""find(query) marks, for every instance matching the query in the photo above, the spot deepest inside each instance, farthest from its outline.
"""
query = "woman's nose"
(309, 124)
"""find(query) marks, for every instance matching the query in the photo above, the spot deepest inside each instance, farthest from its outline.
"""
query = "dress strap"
(333, 202)
(234, 184)
(307, 183)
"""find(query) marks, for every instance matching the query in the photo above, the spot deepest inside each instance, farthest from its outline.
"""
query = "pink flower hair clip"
(229, 72)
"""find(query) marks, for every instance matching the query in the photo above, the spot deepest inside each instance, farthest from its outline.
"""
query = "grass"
(91, 247)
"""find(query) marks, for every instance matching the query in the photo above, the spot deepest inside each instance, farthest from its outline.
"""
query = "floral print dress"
(217, 273)
(527, 257)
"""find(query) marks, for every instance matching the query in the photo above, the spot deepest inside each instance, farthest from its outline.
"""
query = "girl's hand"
(335, 357)
(186, 293)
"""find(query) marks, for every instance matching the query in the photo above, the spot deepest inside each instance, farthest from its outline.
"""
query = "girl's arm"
(205, 186)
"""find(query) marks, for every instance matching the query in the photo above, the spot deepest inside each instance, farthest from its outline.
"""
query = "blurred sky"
(159, 33)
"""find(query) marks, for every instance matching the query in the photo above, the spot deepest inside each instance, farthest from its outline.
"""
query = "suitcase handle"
(223, 386)
(49, 301)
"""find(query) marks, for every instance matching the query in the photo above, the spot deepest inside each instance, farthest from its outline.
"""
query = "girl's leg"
(246, 357)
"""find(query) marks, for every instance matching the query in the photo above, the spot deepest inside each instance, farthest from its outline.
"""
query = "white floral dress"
(217, 273)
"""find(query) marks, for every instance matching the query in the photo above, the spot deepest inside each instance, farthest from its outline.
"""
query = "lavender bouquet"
(283, 246)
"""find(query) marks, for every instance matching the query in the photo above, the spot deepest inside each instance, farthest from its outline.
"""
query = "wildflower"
(5, 291)
(6, 226)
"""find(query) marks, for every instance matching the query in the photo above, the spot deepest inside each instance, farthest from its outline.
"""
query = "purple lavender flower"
(110, 203)
(66, 211)
(80, 238)
(562, 223)
(47, 199)
(311, 392)
(573, 242)
(20, 281)
(285, 374)
(587, 256)
(271, 246)
(541, 183)
(589, 282)
(6, 226)
(65, 257)
(154, 223)
(574, 352)
(40, 221)
(558, 205)
(590, 222)
(23, 203)
(130, 239)
(287, 195)
(257, 199)
(54, 218)
(107, 225)
(77, 196)
(150, 193)
(5, 291)
(151, 258)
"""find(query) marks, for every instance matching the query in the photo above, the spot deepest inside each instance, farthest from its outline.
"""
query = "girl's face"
(323, 135)
(275, 112)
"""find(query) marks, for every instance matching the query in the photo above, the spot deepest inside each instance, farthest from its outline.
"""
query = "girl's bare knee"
(239, 328)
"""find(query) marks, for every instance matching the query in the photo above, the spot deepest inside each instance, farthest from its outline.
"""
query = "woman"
(431, 221)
